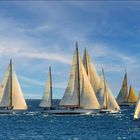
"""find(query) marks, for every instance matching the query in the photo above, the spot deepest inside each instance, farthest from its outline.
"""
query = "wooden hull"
(72, 111)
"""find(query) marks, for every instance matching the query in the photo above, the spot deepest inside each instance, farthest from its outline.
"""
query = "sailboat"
(91, 71)
(124, 98)
(79, 96)
(46, 101)
(137, 109)
(106, 99)
(123, 94)
(12, 97)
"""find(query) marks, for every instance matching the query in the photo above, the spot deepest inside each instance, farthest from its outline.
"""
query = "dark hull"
(71, 111)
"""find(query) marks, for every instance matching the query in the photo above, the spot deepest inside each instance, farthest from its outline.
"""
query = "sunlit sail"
(12, 97)
(137, 109)
(132, 98)
(91, 71)
(125, 98)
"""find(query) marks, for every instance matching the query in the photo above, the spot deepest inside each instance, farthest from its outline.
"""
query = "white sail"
(5, 102)
(105, 96)
(18, 101)
(3, 83)
(91, 71)
(88, 99)
(112, 103)
(137, 109)
(69, 98)
(123, 94)
(47, 97)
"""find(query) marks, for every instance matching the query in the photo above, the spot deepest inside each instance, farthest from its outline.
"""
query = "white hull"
(136, 117)
(72, 111)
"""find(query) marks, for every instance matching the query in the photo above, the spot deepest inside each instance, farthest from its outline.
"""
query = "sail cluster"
(86, 90)
(88, 98)
(124, 96)
(105, 95)
(93, 89)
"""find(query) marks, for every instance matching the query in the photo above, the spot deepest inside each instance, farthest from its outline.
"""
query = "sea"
(33, 125)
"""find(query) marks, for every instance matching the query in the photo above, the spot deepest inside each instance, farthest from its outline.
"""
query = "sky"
(39, 34)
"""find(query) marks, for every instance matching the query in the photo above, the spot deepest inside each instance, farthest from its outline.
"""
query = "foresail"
(47, 97)
(18, 101)
(132, 98)
(122, 97)
(88, 97)
(112, 103)
(137, 109)
(91, 71)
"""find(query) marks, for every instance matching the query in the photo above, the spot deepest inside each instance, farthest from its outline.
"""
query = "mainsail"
(91, 71)
(105, 95)
(123, 94)
(79, 84)
(47, 97)
(12, 95)
(70, 95)
(137, 109)
(3, 83)
(132, 98)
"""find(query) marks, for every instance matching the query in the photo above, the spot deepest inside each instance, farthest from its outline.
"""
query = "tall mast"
(126, 85)
(11, 82)
(106, 98)
(86, 66)
(50, 85)
(78, 75)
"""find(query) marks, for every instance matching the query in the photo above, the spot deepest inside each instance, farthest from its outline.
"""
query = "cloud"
(49, 56)
(23, 48)
(28, 80)
(112, 58)
(36, 29)
(15, 41)
(31, 81)
(46, 34)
